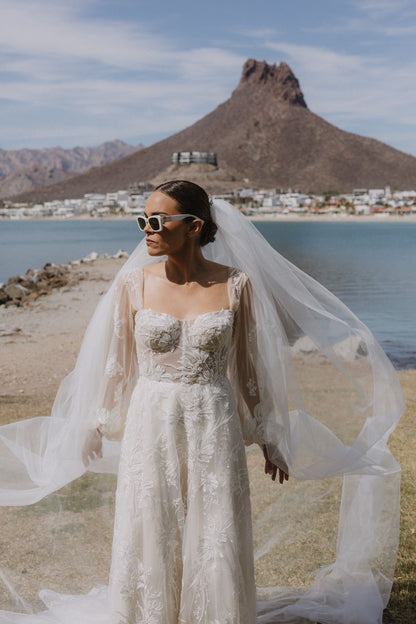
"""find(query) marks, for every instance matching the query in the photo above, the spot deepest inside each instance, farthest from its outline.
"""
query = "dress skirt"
(182, 548)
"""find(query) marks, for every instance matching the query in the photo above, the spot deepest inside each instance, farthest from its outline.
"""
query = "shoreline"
(281, 218)
(77, 283)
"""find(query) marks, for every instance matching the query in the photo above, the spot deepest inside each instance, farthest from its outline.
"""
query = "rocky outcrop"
(277, 80)
(35, 283)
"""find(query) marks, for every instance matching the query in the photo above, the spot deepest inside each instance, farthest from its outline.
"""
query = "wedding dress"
(182, 548)
(287, 365)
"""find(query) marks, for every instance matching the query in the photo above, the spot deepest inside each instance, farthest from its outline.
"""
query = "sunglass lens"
(155, 224)
(141, 222)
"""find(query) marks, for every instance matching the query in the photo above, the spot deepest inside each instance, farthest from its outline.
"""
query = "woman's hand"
(271, 468)
(93, 447)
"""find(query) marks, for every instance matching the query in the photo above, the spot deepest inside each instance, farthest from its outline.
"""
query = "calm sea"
(370, 266)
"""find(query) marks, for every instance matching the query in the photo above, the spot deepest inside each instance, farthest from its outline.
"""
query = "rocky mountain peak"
(278, 80)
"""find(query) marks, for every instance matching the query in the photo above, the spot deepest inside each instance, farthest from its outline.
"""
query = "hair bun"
(208, 232)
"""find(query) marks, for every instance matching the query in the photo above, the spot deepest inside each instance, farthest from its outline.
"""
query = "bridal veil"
(325, 543)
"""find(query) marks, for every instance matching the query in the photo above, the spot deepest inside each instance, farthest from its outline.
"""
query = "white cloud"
(379, 18)
(382, 8)
(52, 34)
(59, 58)
(348, 87)
(61, 31)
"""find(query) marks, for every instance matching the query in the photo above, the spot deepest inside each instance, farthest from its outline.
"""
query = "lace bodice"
(187, 351)
(210, 348)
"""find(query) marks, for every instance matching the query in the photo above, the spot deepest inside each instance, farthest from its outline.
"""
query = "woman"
(185, 359)
(183, 466)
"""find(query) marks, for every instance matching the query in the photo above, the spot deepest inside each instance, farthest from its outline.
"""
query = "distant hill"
(264, 135)
(25, 170)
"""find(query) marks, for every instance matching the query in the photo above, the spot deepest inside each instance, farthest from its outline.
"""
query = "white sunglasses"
(156, 221)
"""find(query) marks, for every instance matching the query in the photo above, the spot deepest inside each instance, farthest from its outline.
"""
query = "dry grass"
(74, 526)
(402, 606)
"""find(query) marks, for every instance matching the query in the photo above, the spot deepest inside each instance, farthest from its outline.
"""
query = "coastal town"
(262, 203)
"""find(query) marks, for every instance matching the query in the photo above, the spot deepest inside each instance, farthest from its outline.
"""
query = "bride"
(190, 356)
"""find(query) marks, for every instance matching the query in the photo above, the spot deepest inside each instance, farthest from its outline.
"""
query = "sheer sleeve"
(245, 371)
(120, 366)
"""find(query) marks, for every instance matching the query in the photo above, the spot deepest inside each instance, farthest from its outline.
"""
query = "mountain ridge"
(27, 169)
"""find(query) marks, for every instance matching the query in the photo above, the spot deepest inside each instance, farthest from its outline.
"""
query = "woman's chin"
(154, 252)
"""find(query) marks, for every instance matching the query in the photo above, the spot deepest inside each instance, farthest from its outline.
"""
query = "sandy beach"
(290, 217)
(39, 343)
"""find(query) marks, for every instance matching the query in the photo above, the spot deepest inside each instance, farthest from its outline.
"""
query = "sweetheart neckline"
(194, 318)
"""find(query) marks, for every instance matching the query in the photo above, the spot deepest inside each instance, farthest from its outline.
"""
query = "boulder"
(351, 348)
(304, 346)
(35, 283)
(4, 297)
(348, 350)
(16, 291)
(91, 256)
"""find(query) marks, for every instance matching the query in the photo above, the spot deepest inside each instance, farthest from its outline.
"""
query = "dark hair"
(193, 199)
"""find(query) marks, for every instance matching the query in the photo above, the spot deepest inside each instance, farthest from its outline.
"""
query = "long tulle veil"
(325, 543)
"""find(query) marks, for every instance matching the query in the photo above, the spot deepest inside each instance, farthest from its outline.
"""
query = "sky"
(88, 71)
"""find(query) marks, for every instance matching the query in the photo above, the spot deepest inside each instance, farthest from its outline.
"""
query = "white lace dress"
(182, 548)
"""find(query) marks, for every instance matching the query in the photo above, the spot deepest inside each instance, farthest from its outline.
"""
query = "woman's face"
(174, 234)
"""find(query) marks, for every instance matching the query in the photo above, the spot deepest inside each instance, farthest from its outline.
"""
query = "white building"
(362, 209)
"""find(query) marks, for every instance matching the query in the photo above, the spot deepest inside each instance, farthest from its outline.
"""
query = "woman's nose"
(147, 228)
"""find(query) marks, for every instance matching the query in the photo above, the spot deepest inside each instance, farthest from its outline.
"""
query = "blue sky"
(87, 71)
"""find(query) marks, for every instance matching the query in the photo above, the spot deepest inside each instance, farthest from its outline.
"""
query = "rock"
(351, 348)
(277, 80)
(57, 282)
(121, 254)
(16, 279)
(43, 285)
(29, 284)
(91, 256)
(37, 277)
(347, 350)
(4, 297)
(16, 291)
(36, 283)
(304, 346)
(35, 294)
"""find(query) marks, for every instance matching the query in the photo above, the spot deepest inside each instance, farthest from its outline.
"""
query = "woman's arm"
(251, 405)
(120, 370)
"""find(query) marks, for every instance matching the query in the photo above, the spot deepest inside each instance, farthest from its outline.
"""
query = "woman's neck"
(188, 266)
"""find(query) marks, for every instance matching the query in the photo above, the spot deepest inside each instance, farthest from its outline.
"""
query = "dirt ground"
(38, 347)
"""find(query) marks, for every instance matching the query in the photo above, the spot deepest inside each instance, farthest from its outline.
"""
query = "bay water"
(369, 266)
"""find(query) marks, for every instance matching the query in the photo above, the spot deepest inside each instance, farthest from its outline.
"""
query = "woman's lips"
(149, 241)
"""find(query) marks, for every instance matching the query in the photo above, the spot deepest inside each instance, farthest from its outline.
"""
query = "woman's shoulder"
(157, 269)
(130, 278)
(226, 271)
